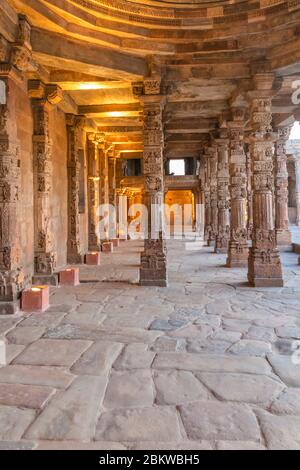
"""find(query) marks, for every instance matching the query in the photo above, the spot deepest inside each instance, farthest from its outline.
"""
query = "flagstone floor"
(203, 364)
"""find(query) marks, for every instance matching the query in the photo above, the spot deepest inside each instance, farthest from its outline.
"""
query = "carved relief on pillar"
(223, 197)
(238, 244)
(44, 256)
(249, 194)
(11, 275)
(21, 50)
(281, 188)
(264, 268)
(153, 260)
(74, 128)
(94, 140)
(213, 172)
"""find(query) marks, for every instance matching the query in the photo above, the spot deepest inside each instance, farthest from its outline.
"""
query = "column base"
(153, 270)
(154, 283)
(264, 268)
(237, 255)
(284, 238)
(221, 245)
(9, 308)
(75, 259)
(45, 279)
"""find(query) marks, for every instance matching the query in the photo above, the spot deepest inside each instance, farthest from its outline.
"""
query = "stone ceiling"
(206, 52)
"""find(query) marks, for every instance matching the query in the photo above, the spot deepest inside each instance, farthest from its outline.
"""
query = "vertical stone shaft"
(283, 234)
(44, 255)
(93, 192)
(238, 245)
(11, 275)
(153, 260)
(264, 267)
(74, 255)
(249, 195)
(297, 174)
(213, 196)
(112, 163)
(223, 202)
(207, 227)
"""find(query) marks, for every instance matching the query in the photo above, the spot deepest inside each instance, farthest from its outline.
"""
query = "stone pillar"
(249, 195)
(223, 201)
(297, 173)
(207, 221)
(93, 191)
(153, 270)
(238, 245)
(213, 196)
(11, 274)
(74, 125)
(112, 162)
(284, 237)
(264, 267)
(43, 99)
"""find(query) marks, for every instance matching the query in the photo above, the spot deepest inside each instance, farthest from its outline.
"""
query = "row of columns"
(258, 187)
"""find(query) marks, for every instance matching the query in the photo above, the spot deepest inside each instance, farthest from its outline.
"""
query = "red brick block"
(115, 242)
(93, 258)
(107, 247)
(35, 299)
(69, 277)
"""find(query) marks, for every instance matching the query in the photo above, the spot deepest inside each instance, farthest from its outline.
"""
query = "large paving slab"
(129, 389)
(280, 432)
(36, 375)
(139, 424)
(25, 396)
(219, 421)
(286, 369)
(98, 359)
(72, 414)
(175, 387)
(14, 422)
(48, 352)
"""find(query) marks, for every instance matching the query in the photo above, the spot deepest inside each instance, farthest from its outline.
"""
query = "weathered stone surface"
(211, 363)
(261, 334)
(287, 371)
(229, 336)
(26, 396)
(167, 325)
(292, 331)
(134, 356)
(232, 324)
(175, 387)
(183, 445)
(12, 351)
(8, 323)
(242, 387)
(98, 359)
(239, 445)
(19, 445)
(72, 414)
(287, 403)
(165, 343)
(36, 375)
(47, 319)
(14, 422)
(87, 318)
(138, 425)
(192, 331)
(280, 432)
(207, 346)
(129, 389)
(46, 352)
(220, 421)
(249, 347)
(79, 445)
(25, 334)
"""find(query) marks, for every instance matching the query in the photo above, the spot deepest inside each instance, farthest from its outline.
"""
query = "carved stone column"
(74, 124)
(249, 195)
(238, 245)
(93, 190)
(112, 163)
(207, 226)
(213, 196)
(153, 270)
(297, 174)
(264, 268)
(223, 201)
(284, 237)
(11, 275)
(42, 100)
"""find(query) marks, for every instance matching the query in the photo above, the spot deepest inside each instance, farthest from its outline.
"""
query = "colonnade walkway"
(206, 363)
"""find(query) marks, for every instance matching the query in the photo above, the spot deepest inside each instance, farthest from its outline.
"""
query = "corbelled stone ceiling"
(205, 51)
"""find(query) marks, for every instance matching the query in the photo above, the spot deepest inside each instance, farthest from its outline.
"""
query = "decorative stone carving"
(74, 126)
(21, 52)
(153, 270)
(281, 188)
(238, 245)
(93, 191)
(223, 203)
(11, 275)
(264, 267)
(213, 196)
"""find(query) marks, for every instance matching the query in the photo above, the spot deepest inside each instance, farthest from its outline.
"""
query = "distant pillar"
(223, 201)
(297, 172)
